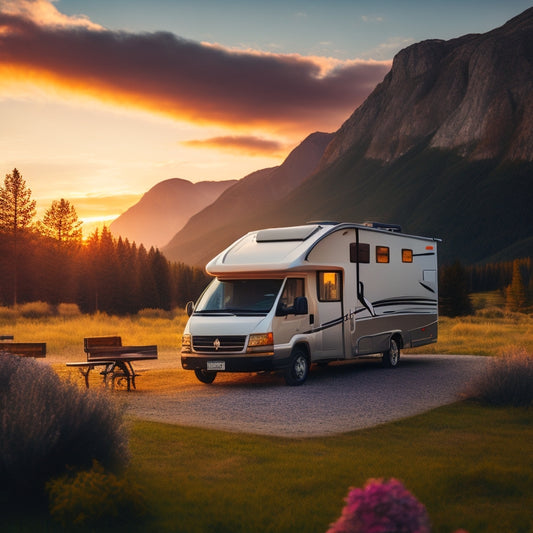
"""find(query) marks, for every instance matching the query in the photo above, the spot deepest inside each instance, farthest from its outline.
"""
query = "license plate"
(216, 365)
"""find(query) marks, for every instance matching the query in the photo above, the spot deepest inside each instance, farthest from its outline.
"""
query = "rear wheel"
(391, 358)
(296, 372)
(205, 376)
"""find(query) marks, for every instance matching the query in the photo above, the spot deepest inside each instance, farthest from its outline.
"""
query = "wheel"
(391, 357)
(296, 372)
(205, 376)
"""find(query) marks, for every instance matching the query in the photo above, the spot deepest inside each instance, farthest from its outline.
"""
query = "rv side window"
(359, 253)
(329, 286)
(382, 254)
(407, 255)
(294, 287)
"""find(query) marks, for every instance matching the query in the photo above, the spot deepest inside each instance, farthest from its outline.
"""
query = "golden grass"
(489, 332)
(482, 335)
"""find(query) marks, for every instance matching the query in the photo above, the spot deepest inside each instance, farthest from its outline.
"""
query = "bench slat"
(24, 349)
(97, 342)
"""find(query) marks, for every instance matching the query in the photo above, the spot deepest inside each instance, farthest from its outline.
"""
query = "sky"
(102, 99)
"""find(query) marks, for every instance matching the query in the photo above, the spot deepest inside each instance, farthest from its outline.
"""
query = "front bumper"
(241, 363)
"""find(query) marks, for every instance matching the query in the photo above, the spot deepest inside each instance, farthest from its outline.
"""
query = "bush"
(68, 310)
(35, 310)
(149, 312)
(93, 498)
(7, 314)
(382, 507)
(507, 381)
(47, 424)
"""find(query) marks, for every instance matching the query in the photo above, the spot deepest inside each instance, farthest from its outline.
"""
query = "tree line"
(513, 278)
(49, 261)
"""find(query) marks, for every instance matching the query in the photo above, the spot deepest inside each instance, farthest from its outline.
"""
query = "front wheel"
(391, 357)
(205, 376)
(296, 372)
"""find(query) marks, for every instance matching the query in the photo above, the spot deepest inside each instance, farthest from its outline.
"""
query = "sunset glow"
(98, 114)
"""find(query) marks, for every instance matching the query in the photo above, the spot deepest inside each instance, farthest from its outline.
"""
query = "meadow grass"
(64, 334)
(468, 464)
(488, 332)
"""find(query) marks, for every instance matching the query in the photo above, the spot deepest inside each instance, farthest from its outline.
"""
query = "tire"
(296, 372)
(391, 358)
(205, 376)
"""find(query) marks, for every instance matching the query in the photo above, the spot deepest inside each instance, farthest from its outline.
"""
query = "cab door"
(286, 322)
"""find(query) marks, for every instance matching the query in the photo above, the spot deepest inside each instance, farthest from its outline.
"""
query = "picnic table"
(116, 359)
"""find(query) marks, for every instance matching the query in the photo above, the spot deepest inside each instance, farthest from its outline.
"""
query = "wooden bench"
(115, 359)
(23, 349)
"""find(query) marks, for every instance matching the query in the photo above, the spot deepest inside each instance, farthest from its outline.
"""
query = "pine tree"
(17, 211)
(515, 294)
(454, 291)
(60, 222)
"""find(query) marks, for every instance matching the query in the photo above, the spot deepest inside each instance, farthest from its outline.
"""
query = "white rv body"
(284, 298)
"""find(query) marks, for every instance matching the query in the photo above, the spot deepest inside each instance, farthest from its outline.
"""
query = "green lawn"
(470, 466)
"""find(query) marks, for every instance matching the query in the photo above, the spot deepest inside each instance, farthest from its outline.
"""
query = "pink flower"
(382, 506)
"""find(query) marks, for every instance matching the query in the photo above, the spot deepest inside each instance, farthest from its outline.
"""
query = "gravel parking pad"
(335, 399)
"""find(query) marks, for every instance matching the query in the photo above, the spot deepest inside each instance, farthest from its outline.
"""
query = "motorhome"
(285, 298)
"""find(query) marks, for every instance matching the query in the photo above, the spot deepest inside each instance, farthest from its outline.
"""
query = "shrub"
(507, 380)
(47, 424)
(149, 312)
(35, 310)
(68, 310)
(95, 497)
(491, 312)
(7, 314)
(382, 507)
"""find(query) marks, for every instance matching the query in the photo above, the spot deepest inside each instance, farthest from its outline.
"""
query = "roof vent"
(396, 228)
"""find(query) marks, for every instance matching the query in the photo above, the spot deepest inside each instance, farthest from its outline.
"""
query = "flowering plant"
(382, 506)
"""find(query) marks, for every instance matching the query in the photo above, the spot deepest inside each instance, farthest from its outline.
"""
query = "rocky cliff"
(473, 95)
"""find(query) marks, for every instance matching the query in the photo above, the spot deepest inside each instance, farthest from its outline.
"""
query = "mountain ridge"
(164, 209)
(241, 205)
(443, 146)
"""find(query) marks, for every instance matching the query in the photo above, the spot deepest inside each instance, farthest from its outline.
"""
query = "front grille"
(218, 344)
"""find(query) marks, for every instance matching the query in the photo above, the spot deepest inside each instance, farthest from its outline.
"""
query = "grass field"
(470, 465)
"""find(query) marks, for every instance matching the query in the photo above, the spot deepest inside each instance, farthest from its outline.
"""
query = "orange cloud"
(244, 144)
(163, 73)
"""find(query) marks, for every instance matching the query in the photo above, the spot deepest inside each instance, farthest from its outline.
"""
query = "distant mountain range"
(164, 210)
(443, 146)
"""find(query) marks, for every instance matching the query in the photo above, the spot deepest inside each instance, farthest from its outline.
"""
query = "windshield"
(239, 296)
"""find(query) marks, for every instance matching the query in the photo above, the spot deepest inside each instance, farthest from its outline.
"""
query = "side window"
(407, 255)
(359, 253)
(294, 287)
(382, 254)
(329, 286)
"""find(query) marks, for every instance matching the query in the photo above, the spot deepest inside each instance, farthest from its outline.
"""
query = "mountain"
(164, 209)
(240, 207)
(443, 146)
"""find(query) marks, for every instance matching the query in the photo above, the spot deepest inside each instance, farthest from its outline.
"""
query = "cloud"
(44, 12)
(163, 73)
(244, 144)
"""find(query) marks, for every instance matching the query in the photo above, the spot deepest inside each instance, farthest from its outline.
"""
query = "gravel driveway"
(335, 399)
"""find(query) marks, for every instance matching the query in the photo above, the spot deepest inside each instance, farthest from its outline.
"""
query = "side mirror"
(189, 308)
(300, 306)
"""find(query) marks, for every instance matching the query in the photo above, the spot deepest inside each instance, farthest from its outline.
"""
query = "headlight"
(186, 343)
(261, 339)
